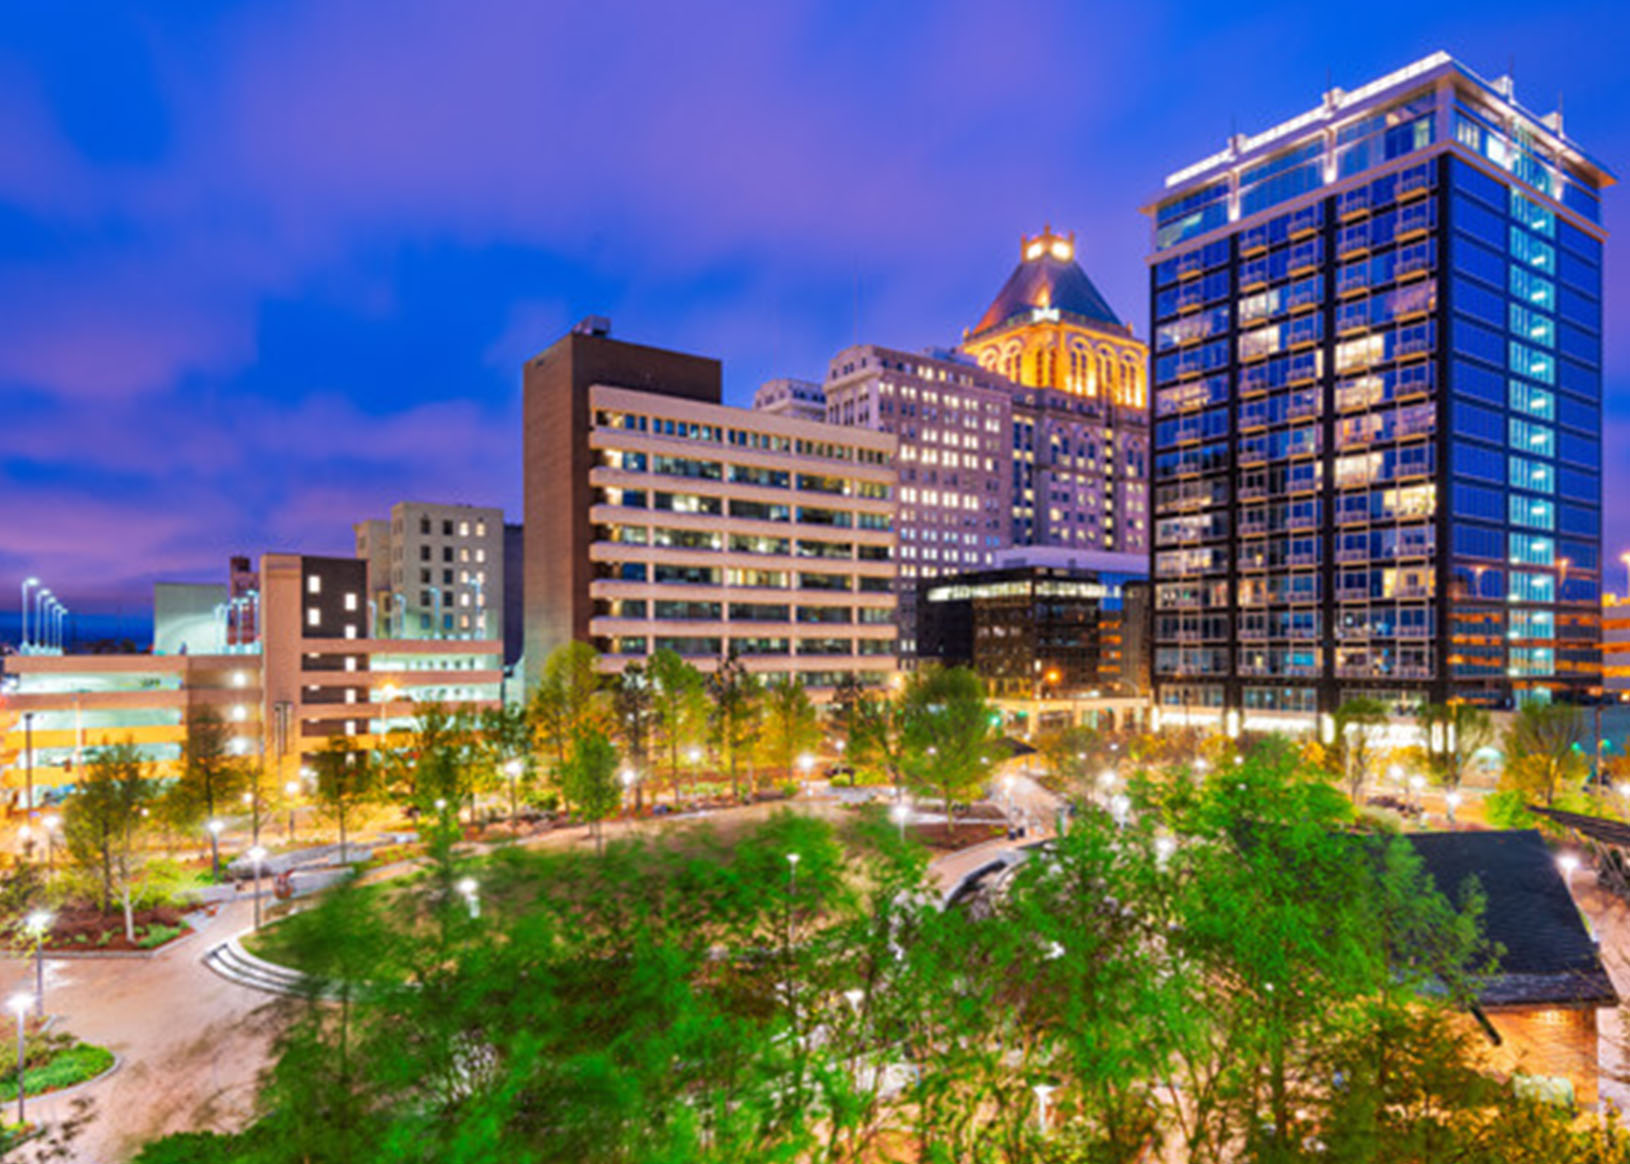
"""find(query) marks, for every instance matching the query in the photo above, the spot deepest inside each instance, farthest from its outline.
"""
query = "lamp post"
(291, 790)
(39, 925)
(901, 813)
(30, 583)
(630, 778)
(1568, 863)
(256, 856)
(214, 828)
(470, 891)
(1451, 801)
(513, 769)
(1044, 1092)
(19, 1005)
(28, 761)
(52, 824)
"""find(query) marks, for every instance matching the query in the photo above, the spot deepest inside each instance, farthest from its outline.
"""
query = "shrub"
(1508, 809)
(157, 934)
(69, 1065)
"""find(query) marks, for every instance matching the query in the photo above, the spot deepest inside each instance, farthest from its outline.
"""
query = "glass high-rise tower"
(1376, 390)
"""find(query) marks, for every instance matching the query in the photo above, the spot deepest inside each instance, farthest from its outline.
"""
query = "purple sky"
(268, 267)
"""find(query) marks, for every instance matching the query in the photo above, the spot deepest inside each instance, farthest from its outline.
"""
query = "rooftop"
(1546, 956)
(1048, 283)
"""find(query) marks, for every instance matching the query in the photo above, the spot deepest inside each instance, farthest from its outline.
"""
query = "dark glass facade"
(1376, 444)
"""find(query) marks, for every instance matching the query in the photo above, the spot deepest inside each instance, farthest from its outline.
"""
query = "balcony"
(1304, 257)
(1304, 297)
(1352, 318)
(1190, 265)
(1254, 241)
(1353, 241)
(1353, 555)
(1306, 220)
(1353, 281)
(1415, 220)
(1413, 342)
(1353, 204)
(1415, 182)
(1253, 275)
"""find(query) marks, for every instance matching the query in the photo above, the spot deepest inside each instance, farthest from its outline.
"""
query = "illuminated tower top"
(1049, 327)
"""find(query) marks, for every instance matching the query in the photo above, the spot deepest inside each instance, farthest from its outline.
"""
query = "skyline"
(237, 245)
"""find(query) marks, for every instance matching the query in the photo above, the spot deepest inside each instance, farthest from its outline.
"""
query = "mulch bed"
(80, 929)
(938, 836)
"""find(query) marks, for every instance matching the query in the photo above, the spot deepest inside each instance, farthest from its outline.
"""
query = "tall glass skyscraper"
(1377, 388)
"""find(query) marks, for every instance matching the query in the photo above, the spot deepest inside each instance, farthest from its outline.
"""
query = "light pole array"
(22, 638)
(39, 925)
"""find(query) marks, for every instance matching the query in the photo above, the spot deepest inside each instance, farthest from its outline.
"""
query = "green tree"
(590, 781)
(789, 725)
(1358, 724)
(569, 698)
(1462, 730)
(633, 721)
(879, 738)
(209, 777)
(1542, 750)
(950, 735)
(101, 819)
(347, 778)
(736, 697)
(1077, 756)
(679, 705)
(505, 741)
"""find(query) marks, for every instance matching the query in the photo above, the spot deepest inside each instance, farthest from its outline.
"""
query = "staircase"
(231, 961)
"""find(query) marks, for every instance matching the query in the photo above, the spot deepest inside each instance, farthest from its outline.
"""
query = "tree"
(210, 776)
(843, 712)
(101, 819)
(505, 739)
(790, 727)
(1542, 750)
(633, 719)
(347, 778)
(950, 734)
(1077, 755)
(1357, 726)
(568, 699)
(590, 781)
(879, 746)
(1460, 730)
(736, 696)
(679, 704)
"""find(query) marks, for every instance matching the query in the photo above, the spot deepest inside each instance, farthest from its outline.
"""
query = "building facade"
(1040, 631)
(314, 673)
(953, 423)
(665, 520)
(799, 399)
(1080, 405)
(1616, 646)
(435, 571)
(1377, 402)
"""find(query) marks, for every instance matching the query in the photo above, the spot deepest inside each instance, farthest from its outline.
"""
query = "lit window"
(314, 584)
(463, 529)
(350, 602)
(314, 617)
(350, 630)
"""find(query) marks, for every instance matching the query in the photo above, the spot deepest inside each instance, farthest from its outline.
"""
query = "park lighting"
(901, 813)
(805, 763)
(1451, 800)
(694, 756)
(215, 828)
(512, 769)
(470, 891)
(1044, 1092)
(19, 1006)
(1568, 863)
(39, 924)
(1164, 848)
(256, 856)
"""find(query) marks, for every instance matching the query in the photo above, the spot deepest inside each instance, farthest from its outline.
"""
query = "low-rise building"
(435, 571)
(314, 673)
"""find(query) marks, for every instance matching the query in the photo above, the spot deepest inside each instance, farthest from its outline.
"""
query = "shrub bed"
(53, 1062)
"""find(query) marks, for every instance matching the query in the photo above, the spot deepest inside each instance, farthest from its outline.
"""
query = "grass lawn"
(71, 1065)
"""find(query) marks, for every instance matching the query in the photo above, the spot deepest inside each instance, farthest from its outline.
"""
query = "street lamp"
(52, 823)
(30, 583)
(1568, 863)
(1451, 800)
(256, 856)
(901, 813)
(39, 925)
(513, 769)
(19, 1005)
(1044, 1092)
(470, 891)
(291, 790)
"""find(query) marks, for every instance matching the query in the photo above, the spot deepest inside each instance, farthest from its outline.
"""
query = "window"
(350, 602)
(447, 528)
(314, 584)
(463, 529)
(314, 616)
